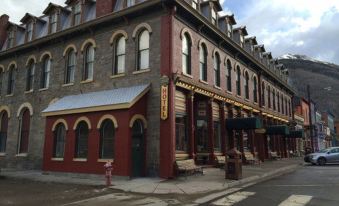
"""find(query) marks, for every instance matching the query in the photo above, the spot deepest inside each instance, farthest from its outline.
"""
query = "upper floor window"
(217, 70)
(289, 108)
(273, 96)
(81, 138)
(247, 89)
(30, 75)
(214, 17)
(269, 96)
(89, 63)
(45, 72)
(195, 4)
(229, 75)
(238, 81)
(143, 50)
(130, 3)
(203, 62)
(53, 22)
(77, 14)
(255, 90)
(229, 29)
(29, 32)
(70, 66)
(11, 35)
(282, 105)
(1, 76)
(242, 40)
(278, 99)
(119, 55)
(186, 54)
(263, 94)
(11, 79)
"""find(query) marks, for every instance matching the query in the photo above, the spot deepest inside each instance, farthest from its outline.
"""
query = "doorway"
(138, 149)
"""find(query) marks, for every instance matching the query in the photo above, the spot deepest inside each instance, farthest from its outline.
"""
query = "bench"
(274, 155)
(188, 167)
(220, 161)
(250, 159)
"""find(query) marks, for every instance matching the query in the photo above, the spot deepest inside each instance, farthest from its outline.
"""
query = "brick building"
(138, 82)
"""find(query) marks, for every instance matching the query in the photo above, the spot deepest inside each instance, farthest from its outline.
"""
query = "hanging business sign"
(164, 102)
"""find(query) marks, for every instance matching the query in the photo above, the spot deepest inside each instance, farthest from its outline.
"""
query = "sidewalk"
(212, 180)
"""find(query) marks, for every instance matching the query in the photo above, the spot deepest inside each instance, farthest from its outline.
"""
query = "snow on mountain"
(302, 57)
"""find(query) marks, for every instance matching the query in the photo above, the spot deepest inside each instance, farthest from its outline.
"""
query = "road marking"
(233, 198)
(296, 200)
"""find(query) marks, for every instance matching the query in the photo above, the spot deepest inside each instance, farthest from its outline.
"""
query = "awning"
(277, 130)
(296, 134)
(121, 98)
(249, 123)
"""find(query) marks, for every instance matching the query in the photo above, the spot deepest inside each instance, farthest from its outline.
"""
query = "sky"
(307, 27)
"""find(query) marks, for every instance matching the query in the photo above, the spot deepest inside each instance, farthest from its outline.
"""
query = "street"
(310, 185)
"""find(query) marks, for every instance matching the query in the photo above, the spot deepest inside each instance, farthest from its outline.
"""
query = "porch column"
(223, 129)
(210, 131)
(190, 111)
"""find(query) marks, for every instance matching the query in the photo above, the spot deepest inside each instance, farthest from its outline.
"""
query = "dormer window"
(229, 30)
(29, 33)
(260, 55)
(214, 17)
(53, 23)
(130, 3)
(252, 48)
(195, 4)
(77, 14)
(11, 36)
(242, 40)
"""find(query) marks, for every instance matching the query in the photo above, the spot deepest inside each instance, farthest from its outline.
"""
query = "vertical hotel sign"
(164, 102)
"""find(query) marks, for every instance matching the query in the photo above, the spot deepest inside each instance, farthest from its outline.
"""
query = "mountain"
(323, 78)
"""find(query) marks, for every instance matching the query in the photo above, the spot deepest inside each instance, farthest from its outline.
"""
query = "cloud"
(288, 26)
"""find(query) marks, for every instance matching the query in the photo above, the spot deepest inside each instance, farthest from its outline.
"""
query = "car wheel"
(321, 161)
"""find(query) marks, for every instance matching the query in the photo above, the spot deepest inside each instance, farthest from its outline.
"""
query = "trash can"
(233, 169)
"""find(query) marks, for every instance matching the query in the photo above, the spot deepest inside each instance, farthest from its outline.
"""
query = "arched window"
(203, 62)
(70, 66)
(89, 63)
(143, 50)
(255, 90)
(11, 80)
(286, 112)
(278, 99)
(273, 96)
(186, 54)
(238, 81)
(24, 127)
(3, 131)
(247, 89)
(269, 96)
(282, 104)
(216, 70)
(263, 94)
(30, 75)
(229, 75)
(107, 135)
(59, 141)
(119, 55)
(81, 144)
(45, 72)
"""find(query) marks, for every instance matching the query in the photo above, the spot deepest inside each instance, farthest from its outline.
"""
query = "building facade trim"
(116, 34)
(25, 105)
(11, 64)
(86, 42)
(83, 118)
(60, 121)
(138, 117)
(107, 116)
(6, 109)
(68, 47)
(29, 59)
(141, 26)
(46, 53)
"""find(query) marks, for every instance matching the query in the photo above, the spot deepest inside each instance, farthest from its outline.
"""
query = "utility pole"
(310, 116)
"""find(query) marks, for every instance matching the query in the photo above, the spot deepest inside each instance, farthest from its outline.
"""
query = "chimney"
(104, 7)
(3, 29)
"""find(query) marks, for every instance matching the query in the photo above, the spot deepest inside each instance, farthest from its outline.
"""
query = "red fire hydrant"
(108, 173)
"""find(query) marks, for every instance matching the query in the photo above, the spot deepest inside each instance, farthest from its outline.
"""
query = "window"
(29, 31)
(3, 131)
(54, 22)
(229, 29)
(217, 136)
(11, 38)
(217, 70)
(81, 144)
(286, 111)
(203, 62)
(202, 135)
(238, 81)
(120, 56)
(24, 127)
(273, 96)
(247, 89)
(107, 136)
(77, 14)
(278, 98)
(143, 50)
(186, 54)
(289, 108)
(30, 75)
(269, 96)
(1, 79)
(229, 75)
(214, 17)
(59, 141)
(89, 63)
(255, 90)
(45, 72)
(70, 66)
(195, 4)
(263, 94)
(282, 104)
(130, 3)
(181, 134)
(242, 40)
(11, 78)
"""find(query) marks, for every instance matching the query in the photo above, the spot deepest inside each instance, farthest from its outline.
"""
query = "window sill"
(229, 92)
(87, 81)
(256, 103)
(9, 95)
(141, 71)
(21, 155)
(58, 159)
(187, 75)
(239, 96)
(67, 85)
(28, 92)
(79, 160)
(247, 100)
(202, 81)
(105, 160)
(216, 87)
(2, 154)
(117, 75)
(43, 89)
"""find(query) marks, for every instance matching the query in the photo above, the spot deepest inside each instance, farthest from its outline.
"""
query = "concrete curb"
(246, 182)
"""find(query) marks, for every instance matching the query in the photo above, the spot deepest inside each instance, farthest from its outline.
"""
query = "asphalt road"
(310, 185)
